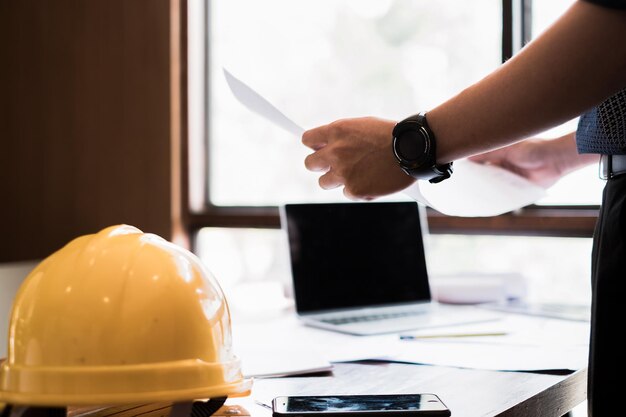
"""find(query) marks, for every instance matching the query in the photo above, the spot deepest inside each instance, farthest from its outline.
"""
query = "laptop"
(360, 268)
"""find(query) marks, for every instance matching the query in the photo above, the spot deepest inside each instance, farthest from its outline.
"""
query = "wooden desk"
(466, 392)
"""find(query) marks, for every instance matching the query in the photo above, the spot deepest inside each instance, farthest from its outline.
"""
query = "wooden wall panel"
(85, 120)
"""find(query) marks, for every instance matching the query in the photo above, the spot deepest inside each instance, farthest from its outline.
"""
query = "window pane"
(320, 60)
(545, 12)
(559, 271)
(554, 269)
(583, 187)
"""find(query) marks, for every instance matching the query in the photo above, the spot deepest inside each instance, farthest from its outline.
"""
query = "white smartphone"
(417, 405)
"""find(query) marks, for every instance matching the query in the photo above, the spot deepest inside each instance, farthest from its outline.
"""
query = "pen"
(434, 336)
(262, 404)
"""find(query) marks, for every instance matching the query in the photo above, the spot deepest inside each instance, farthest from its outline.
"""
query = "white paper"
(474, 190)
(261, 360)
(477, 190)
(496, 357)
(531, 344)
(284, 346)
(256, 103)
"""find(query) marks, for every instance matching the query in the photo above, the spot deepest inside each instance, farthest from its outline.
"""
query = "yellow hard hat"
(119, 317)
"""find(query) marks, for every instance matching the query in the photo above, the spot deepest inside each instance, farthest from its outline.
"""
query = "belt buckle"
(605, 167)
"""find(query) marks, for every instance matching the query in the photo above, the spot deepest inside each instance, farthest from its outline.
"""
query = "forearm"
(565, 156)
(576, 64)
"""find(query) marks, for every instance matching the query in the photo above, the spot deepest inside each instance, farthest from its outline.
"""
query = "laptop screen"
(347, 255)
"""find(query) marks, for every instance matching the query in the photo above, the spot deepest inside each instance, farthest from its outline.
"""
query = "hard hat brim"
(174, 381)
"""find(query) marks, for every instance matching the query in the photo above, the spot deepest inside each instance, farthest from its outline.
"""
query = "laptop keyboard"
(397, 320)
(371, 317)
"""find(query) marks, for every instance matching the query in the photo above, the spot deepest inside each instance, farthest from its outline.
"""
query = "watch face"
(412, 146)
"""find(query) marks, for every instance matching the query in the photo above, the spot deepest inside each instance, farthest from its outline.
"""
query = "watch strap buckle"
(444, 172)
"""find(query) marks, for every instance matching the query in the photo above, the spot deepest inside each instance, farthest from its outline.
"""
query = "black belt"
(612, 165)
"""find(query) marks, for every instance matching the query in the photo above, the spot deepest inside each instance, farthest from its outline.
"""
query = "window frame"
(533, 220)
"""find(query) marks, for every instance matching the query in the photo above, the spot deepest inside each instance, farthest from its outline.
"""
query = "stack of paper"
(286, 347)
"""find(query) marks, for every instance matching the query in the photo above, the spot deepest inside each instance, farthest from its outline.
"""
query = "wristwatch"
(414, 147)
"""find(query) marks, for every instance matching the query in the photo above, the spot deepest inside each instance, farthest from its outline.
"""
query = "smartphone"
(418, 405)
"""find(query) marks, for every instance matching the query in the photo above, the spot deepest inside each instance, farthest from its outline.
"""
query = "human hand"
(357, 154)
(537, 160)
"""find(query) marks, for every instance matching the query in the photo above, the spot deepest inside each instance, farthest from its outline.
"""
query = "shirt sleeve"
(613, 4)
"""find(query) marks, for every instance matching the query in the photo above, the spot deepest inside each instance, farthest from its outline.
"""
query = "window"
(583, 187)
(373, 57)
(559, 271)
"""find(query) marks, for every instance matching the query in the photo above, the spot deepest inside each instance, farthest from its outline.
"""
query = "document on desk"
(269, 361)
(474, 190)
(531, 344)
(284, 346)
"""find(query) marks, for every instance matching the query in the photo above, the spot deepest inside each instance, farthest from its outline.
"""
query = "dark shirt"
(602, 130)
(614, 4)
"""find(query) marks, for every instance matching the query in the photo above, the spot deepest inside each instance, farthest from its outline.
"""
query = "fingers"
(319, 161)
(330, 180)
(349, 195)
(355, 154)
(316, 138)
(321, 139)
(316, 162)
